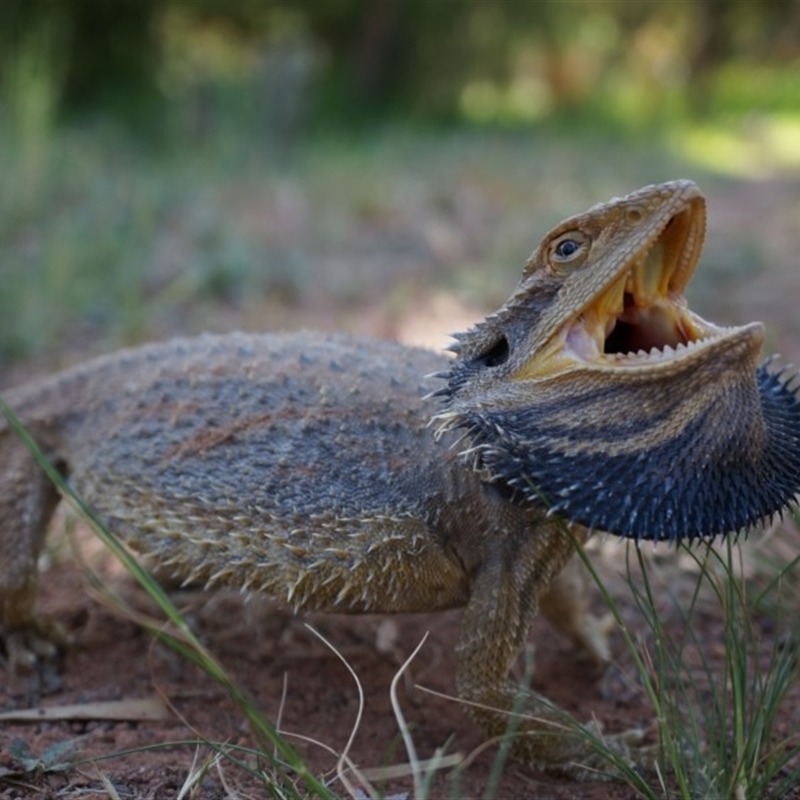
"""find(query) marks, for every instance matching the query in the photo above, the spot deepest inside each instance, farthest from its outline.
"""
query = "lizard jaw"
(641, 321)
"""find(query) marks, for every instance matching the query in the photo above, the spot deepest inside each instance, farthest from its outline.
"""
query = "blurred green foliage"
(157, 63)
(162, 157)
(100, 238)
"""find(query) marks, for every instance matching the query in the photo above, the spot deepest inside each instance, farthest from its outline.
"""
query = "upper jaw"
(640, 319)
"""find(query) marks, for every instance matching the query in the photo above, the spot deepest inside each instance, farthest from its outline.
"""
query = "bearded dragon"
(328, 471)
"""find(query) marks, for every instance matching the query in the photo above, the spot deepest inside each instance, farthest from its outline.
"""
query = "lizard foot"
(31, 655)
(562, 747)
(612, 752)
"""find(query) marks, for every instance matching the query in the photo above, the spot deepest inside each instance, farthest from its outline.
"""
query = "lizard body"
(306, 467)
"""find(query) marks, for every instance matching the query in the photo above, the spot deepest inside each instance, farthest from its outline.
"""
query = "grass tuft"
(717, 721)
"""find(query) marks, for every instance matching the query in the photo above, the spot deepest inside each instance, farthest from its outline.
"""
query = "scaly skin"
(305, 466)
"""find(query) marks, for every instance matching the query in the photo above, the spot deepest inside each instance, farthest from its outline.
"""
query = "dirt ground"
(294, 678)
(270, 653)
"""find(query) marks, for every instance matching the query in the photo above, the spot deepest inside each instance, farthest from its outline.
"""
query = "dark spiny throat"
(712, 478)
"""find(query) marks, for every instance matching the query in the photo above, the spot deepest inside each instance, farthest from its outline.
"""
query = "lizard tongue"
(656, 326)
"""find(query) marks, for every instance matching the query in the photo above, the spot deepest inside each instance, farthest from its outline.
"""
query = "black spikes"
(704, 480)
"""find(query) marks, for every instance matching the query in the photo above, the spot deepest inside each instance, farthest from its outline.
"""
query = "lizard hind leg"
(27, 502)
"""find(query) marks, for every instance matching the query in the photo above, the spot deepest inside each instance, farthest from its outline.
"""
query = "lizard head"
(595, 390)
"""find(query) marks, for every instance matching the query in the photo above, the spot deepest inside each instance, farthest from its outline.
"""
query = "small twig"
(408, 741)
(343, 757)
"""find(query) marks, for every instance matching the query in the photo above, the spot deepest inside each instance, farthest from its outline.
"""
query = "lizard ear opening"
(496, 355)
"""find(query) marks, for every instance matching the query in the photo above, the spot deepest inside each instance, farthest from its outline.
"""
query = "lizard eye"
(569, 249)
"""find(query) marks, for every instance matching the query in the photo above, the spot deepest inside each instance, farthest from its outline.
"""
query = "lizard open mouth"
(642, 319)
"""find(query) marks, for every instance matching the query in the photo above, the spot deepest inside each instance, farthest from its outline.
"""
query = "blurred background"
(384, 166)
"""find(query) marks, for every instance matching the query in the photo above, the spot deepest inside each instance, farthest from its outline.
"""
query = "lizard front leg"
(27, 500)
(503, 602)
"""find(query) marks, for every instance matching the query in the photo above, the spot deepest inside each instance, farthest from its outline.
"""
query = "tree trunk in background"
(374, 52)
(713, 46)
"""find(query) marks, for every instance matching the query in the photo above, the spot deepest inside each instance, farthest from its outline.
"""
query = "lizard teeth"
(585, 340)
(655, 354)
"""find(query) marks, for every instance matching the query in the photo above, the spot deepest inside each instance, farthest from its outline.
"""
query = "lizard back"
(222, 456)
